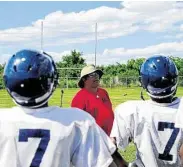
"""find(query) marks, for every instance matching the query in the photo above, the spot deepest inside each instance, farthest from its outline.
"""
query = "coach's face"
(92, 80)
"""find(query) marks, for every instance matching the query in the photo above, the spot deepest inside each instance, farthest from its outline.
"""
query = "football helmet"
(30, 78)
(159, 77)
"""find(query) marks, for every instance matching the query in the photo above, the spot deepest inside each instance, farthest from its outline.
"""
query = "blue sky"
(12, 14)
(125, 29)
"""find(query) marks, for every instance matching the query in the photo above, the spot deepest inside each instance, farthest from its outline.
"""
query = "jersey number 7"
(24, 134)
(161, 127)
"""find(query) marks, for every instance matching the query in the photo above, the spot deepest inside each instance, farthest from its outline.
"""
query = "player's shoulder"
(9, 113)
(128, 107)
(179, 115)
(76, 113)
(6, 110)
(65, 116)
(130, 104)
(72, 115)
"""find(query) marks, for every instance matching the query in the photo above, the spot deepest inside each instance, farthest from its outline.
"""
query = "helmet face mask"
(30, 78)
(159, 77)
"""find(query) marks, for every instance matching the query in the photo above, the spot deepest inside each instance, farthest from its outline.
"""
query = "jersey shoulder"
(7, 113)
(4, 110)
(179, 115)
(75, 114)
(128, 108)
(66, 116)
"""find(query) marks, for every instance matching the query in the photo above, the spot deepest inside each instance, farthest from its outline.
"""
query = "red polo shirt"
(98, 105)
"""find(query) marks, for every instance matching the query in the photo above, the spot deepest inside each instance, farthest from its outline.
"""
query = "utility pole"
(95, 44)
(41, 35)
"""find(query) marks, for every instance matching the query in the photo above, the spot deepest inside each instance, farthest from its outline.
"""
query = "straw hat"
(88, 70)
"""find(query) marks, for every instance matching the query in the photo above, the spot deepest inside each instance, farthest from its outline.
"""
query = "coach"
(93, 99)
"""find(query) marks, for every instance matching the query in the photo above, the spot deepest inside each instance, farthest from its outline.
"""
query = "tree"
(179, 63)
(73, 60)
(1, 76)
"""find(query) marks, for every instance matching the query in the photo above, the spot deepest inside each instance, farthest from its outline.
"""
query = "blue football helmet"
(159, 77)
(30, 78)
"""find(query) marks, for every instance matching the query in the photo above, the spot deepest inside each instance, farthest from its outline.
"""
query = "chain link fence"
(119, 88)
(108, 82)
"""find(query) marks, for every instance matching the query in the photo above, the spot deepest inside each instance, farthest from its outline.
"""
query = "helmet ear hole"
(31, 81)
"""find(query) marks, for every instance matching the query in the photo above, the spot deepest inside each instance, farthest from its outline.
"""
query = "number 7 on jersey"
(24, 134)
(161, 127)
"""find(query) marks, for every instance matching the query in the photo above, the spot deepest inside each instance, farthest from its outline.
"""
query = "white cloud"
(179, 36)
(181, 27)
(121, 55)
(4, 58)
(65, 28)
(147, 7)
(58, 56)
(78, 28)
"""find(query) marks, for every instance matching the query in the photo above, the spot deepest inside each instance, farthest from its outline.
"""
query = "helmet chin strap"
(161, 97)
(155, 97)
(33, 107)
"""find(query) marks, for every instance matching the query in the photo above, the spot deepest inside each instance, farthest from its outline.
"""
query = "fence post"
(110, 82)
(67, 82)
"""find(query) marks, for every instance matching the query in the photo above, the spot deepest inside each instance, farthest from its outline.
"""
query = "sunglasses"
(94, 74)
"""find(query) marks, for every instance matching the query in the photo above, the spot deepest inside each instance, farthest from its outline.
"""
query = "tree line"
(76, 61)
(131, 68)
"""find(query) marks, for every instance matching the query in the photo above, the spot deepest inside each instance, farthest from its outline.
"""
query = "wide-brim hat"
(88, 70)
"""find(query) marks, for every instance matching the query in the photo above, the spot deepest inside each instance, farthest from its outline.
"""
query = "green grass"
(117, 95)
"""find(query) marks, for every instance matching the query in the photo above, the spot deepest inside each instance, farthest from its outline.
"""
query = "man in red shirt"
(93, 99)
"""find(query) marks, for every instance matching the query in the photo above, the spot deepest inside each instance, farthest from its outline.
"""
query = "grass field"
(117, 95)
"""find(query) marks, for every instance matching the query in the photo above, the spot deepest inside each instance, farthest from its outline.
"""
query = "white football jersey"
(151, 127)
(52, 137)
(179, 116)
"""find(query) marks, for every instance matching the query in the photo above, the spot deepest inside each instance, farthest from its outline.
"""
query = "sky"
(125, 30)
